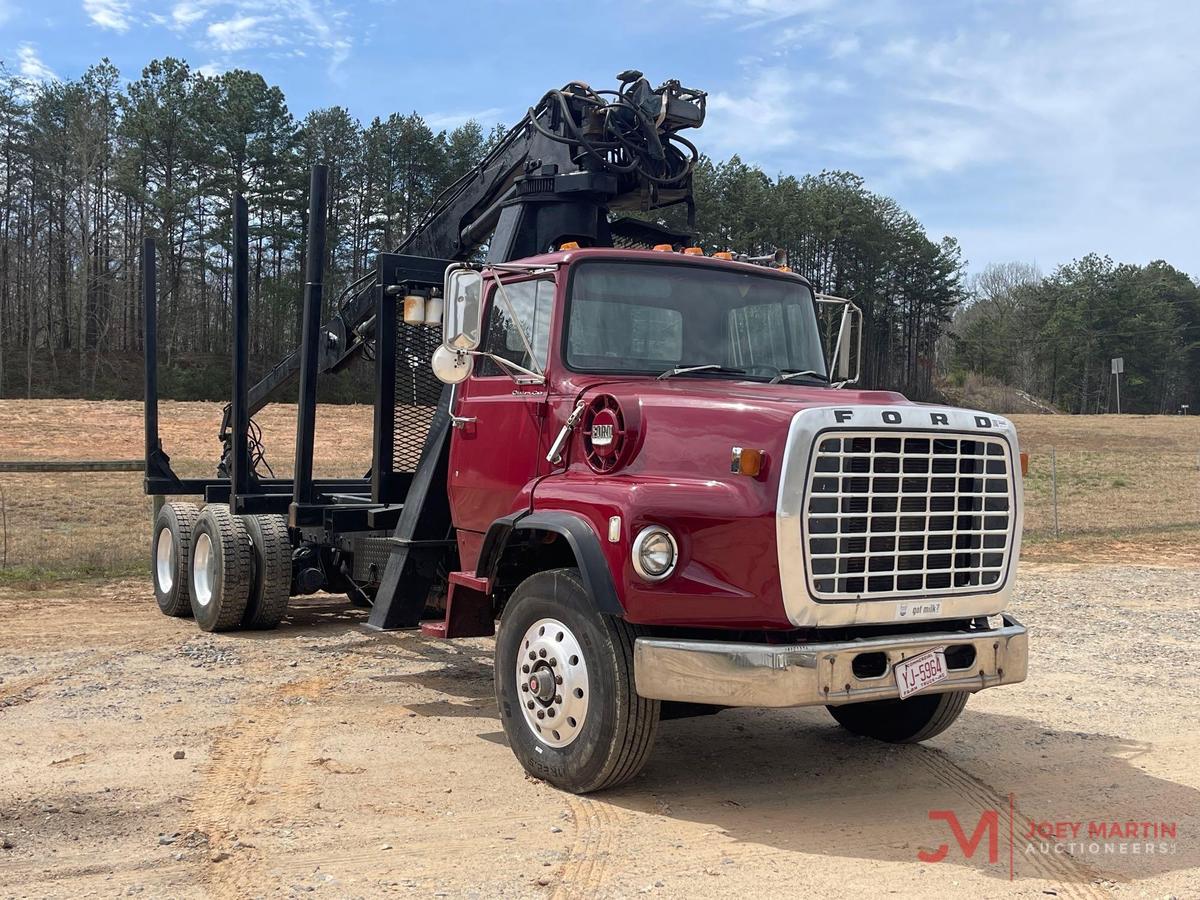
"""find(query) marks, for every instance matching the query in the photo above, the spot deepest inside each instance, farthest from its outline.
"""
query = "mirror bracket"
(848, 347)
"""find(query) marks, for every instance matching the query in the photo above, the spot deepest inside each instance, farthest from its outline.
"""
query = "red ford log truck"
(645, 463)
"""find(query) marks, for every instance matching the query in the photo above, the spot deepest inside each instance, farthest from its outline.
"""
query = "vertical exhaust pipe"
(306, 414)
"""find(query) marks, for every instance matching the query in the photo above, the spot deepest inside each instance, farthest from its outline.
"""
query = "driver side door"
(498, 443)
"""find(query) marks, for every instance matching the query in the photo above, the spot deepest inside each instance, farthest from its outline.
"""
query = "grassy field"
(1125, 483)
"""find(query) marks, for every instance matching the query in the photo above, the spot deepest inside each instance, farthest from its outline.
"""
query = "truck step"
(468, 609)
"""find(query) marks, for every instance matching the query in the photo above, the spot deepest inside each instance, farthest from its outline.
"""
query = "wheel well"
(527, 552)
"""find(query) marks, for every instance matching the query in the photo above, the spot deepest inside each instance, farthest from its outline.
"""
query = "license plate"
(920, 672)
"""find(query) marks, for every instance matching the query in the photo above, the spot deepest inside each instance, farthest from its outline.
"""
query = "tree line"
(1055, 336)
(92, 166)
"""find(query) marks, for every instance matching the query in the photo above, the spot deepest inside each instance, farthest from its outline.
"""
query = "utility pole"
(1118, 366)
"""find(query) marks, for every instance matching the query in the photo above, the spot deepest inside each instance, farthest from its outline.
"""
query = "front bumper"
(737, 674)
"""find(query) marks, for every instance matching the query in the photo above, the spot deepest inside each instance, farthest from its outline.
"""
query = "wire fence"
(99, 522)
(1120, 492)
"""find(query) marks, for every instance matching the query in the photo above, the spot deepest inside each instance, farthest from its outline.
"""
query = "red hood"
(687, 426)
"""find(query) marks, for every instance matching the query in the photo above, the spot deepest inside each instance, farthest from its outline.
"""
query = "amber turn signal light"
(1024, 464)
(745, 461)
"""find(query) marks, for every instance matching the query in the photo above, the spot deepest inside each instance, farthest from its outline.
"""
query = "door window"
(532, 302)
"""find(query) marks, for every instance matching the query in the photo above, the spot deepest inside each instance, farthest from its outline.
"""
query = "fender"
(580, 536)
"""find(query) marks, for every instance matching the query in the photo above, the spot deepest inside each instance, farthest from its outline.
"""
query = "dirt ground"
(140, 756)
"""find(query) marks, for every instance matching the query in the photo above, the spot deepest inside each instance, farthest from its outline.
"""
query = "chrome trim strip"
(739, 674)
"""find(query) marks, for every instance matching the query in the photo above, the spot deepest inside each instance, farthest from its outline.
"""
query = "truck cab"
(651, 467)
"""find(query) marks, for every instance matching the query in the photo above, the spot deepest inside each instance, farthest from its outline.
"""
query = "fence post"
(1054, 488)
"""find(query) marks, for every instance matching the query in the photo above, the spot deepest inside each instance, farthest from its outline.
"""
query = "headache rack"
(895, 514)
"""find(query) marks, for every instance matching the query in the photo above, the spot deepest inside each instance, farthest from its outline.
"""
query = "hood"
(688, 426)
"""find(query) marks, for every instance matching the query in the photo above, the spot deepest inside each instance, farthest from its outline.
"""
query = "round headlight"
(654, 553)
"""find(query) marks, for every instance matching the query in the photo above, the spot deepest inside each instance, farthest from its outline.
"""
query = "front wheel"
(564, 685)
(902, 721)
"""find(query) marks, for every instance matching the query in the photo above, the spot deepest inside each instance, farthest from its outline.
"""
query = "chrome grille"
(907, 513)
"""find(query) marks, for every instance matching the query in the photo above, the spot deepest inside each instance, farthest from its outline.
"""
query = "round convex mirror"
(451, 366)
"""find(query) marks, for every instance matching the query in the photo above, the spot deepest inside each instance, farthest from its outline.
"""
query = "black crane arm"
(574, 156)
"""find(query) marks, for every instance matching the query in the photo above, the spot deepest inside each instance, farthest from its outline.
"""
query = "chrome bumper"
(734, 674)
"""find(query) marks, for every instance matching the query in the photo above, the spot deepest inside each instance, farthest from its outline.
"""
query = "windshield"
(653, 317)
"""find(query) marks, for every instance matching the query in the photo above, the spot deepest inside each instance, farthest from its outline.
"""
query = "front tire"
(222, 564)
(902, 721)
(593, 731)
(170, 552)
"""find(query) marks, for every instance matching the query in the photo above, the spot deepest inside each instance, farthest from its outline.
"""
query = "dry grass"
(83, 524)
(1117, 475)
(1130, 477)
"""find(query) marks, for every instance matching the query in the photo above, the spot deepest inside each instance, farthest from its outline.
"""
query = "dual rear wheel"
(227, 571)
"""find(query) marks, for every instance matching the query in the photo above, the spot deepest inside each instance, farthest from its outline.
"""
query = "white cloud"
(187, 13)
(763, 119)
(755, 120)
(762, 10)
(30, 65)
(845, 46)
(237, 26)
(450, 120)
(239, 33)
(112, 14)
(212, 69)
(1068, 129)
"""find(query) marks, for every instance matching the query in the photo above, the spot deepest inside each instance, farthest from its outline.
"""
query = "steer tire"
(222, 566)
(170, 548)
(902, 721)
(271, 585)
(611, 740)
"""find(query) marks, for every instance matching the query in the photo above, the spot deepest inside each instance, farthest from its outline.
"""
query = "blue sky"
(1032, 131)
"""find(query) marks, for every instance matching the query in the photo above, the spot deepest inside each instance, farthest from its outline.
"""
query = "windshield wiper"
(788, 376)
(707, 367)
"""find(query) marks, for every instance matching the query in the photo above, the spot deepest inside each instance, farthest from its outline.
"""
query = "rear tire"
(222, 565)
(902, 721)
(170, 550)
(595, 731)
(271, 585)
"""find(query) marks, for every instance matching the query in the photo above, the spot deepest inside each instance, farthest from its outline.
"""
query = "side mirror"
(845, 363)
(463, 317)
(451, 366)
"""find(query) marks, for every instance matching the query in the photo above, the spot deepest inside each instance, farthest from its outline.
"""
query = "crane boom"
(554, 177)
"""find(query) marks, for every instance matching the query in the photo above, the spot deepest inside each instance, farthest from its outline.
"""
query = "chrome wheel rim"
(164, 555)
(204, 569)
(552, 682)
